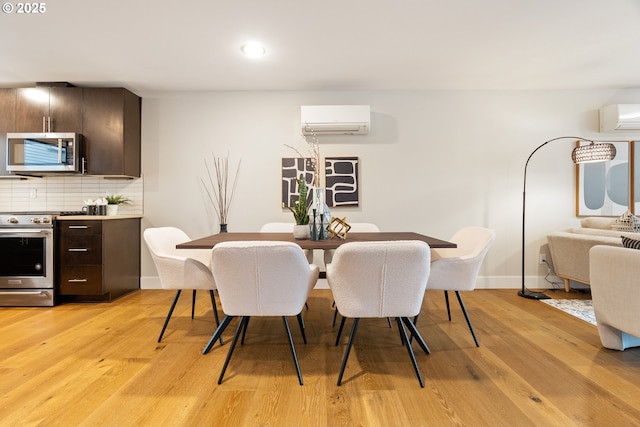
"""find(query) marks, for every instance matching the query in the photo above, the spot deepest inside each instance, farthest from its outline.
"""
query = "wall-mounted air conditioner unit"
(620, 117)
(335, 119)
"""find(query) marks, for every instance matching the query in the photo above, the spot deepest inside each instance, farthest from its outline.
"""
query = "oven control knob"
(12, 220)
(46, 220)
(35, 220)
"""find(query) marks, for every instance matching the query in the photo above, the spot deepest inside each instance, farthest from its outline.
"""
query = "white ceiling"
(162, 45)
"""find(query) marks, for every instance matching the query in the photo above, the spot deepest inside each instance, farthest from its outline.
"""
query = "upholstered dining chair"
(356, 227)
(180, 269)
(456, 269)
(284, 227)
(380, 279)
(261, 278)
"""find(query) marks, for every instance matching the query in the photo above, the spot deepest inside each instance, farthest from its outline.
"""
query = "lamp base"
(526, 293)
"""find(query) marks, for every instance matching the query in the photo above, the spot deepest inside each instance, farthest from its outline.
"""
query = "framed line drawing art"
(602, 189)
(341, 181)
(292, 169)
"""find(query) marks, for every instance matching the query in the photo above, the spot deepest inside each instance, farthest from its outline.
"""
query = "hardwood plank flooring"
(98, 364)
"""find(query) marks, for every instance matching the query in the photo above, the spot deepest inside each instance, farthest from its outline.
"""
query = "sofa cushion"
(630, 243)
(600, 222)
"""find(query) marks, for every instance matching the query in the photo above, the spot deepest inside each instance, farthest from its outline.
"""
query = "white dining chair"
(357, 227)
(180, 269)
(380, 280)
(456, 269)
(261, 278)
(285, 227)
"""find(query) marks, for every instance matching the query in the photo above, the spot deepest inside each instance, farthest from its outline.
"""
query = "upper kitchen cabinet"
(7, 124)
(111, 131)
(48, 109)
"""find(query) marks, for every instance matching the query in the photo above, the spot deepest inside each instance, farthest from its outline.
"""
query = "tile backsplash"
(67, 193)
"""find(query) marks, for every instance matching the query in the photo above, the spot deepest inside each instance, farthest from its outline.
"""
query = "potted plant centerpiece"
(113, 201)
(300, 210)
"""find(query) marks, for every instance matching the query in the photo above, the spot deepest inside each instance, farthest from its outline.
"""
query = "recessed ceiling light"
(253, 49)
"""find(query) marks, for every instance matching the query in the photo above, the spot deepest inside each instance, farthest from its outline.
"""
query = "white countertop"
(95, 217)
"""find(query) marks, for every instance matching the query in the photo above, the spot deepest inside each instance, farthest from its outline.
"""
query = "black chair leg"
(193, 303)
(244, 330)
(352, 337)
(416, 334)
(166, 321)
(389, 322)
(340, 330)
(446, 299)
(217, 333)
(466, 316)
(293, 349)
(301, 323)
(403, 332)
(215, 308)
(215, 311)
(243, 320)
(335, 316)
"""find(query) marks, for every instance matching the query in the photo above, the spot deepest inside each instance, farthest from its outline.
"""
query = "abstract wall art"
(341, 181)
(603, 188)
(292, 169)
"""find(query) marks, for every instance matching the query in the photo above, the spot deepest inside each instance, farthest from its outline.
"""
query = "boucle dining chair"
(456, 269)
(380, 280)
(357, 227)
(261, 278)
(285, 227)
(180, 269)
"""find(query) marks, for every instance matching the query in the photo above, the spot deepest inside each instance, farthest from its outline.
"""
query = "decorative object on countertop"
(95, 207)
(218, 190)
(113, 201)
(300, 210)
(338, 228)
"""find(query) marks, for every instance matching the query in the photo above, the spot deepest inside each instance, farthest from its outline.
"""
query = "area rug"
(580, 308)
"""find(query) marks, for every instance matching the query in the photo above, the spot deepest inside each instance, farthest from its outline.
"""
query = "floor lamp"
(591, 153)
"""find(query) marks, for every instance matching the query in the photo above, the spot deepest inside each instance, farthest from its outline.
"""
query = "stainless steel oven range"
(26, 260)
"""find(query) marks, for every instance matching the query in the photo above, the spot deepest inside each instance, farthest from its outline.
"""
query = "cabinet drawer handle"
(83, 227)
(76, 280)
(78, 250)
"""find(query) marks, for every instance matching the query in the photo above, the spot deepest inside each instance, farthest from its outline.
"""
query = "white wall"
(433, 162)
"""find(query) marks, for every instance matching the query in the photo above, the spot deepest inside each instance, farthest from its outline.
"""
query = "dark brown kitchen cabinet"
(97, 260)
(111, 130)
(48, 109)
(7, 124)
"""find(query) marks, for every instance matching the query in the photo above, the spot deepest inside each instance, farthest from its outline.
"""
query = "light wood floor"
(100, 364)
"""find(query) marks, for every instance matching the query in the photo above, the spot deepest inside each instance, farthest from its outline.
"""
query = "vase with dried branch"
(219, 189)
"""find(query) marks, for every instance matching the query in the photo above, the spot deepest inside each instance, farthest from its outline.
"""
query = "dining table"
(209, 242)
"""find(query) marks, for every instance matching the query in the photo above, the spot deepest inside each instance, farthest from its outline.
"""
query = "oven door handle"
(45, 231)
(24, 292)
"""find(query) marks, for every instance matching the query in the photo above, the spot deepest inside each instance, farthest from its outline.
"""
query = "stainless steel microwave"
(44, 153)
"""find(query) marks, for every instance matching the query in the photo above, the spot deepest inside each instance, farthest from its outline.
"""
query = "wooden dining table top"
(210, 241)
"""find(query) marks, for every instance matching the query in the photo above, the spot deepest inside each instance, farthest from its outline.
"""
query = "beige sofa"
(570, 248)
(615, 273)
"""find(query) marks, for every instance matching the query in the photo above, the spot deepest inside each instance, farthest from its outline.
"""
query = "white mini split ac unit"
(620, 117)
(335, 119)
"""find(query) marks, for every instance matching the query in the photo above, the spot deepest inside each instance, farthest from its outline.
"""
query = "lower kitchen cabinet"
(97, 259)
